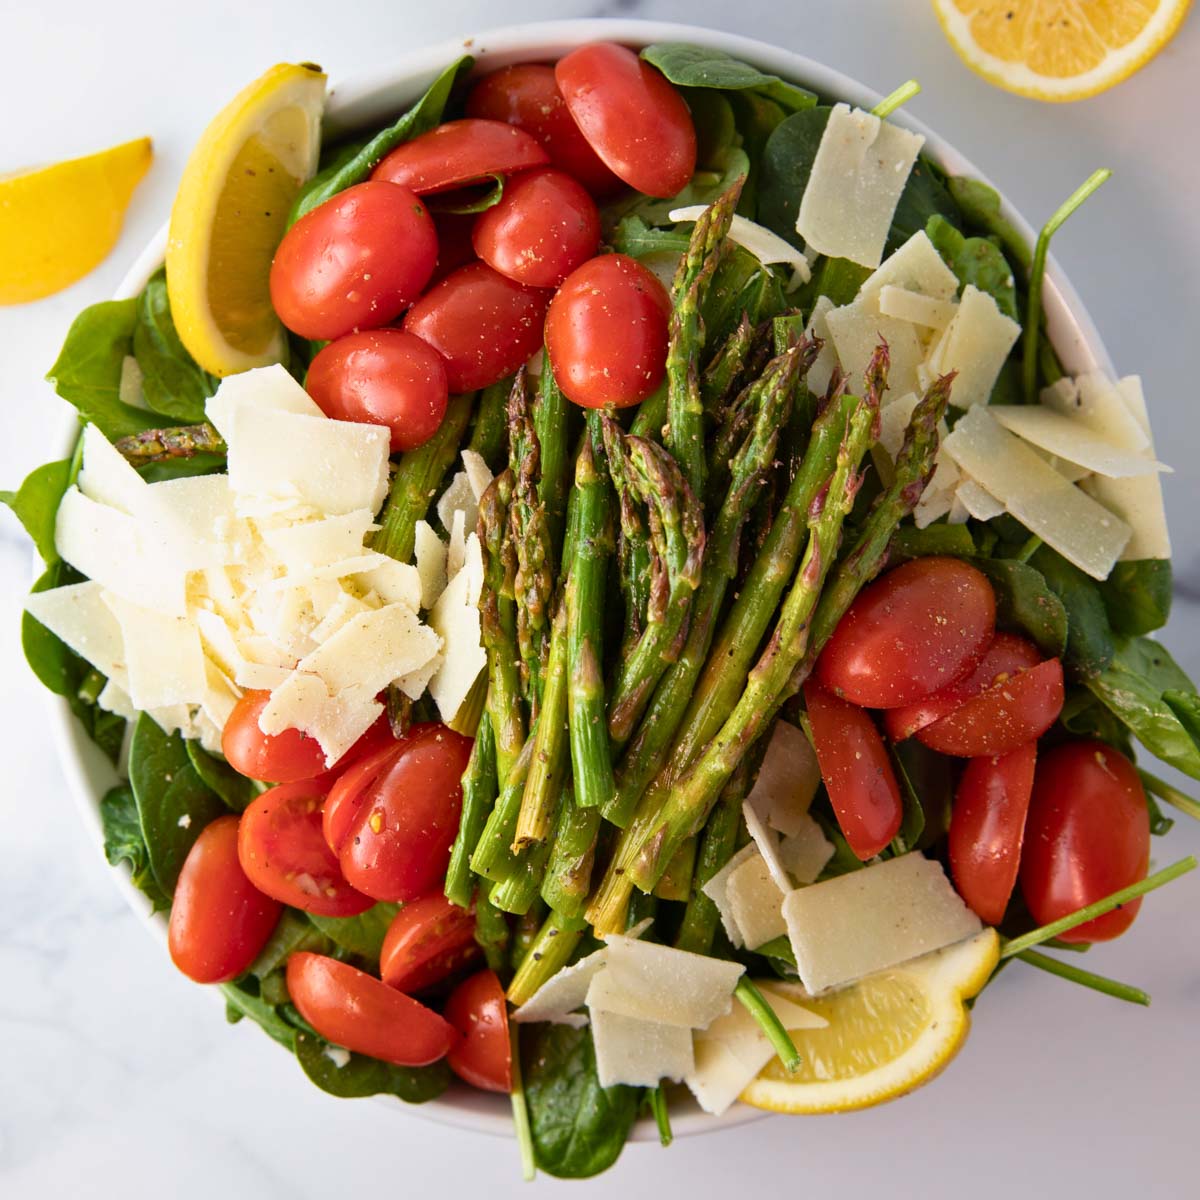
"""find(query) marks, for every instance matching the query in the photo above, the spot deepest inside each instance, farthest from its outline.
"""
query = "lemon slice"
(58, 222)
(886, 1035)
(230, 213)
(1058, 49)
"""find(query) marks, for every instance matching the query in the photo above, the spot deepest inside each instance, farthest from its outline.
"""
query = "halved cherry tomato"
(427, 941)
(606, 332)
(1007, 715)
(631, 116)
(1087, 836)
(355, 262)
(1008, 654)
(350, 1008)
(219, 919)
(910, 633)
(478, 1011)
(544, 227)
(271, 757)
(383, 377)
(460, 152)
(284, 853)
(527, 96)
(987, 826)
(857, 771)
(393, 817)
(483, 324)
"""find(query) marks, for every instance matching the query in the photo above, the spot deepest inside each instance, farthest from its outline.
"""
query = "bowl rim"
(370, 98)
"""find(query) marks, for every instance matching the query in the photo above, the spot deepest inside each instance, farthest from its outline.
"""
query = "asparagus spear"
(492, 933)
(493, 857)
(550, 426)
(548, 953)
(676, 880)
(520, 887)
(181, 441)
(568, 877)
(633, 545)
(479, 788)
(490, 429)
(720, 377)
(526, 933)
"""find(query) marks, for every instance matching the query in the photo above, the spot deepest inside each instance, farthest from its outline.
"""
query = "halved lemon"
(230, 213)
(1058, 49)
(58, 222)
(886, 1035)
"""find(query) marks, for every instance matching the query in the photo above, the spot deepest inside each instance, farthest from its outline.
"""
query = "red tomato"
(353, 1009)
(283, 852)
(918, 628)
(1007, 654)
(986, 829)
(631, 116)
(1087, 836)
(219, 919)
(527, 96)
(271, 757)
(478, 1011)
(454, 243)
(393, 817)
(460, 152)
(483, 324)
(355, 262)
(427, 941)
(1007, 715)
(544, 227)
(857, 772)
(383, 377)
(606, 332)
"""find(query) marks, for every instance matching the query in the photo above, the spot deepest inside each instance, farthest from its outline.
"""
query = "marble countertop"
(121, 1079)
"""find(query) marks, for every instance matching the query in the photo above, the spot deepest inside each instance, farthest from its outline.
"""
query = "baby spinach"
(700, 67)
(716, 130)
(704, 187)
(837, 278)
(787, 161)
(928, 780)
(578, 1126)
(924, 197)
(234, 789)
(1090, 645)
(363, 1076)
(1025, 601)
(123, 842)
(911, 542)
(912, 823)
(1085, 716)
(634, 237)
(756, 117)
(239, 1003)
(36, 501)
(173, 383)
(362, 935)
(975, 261)
(1137, 595)
(294, 933)
(979, 204)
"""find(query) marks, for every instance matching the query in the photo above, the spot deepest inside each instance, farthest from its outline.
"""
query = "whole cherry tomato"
(271, 757)
(428, 940)
(483, 1054)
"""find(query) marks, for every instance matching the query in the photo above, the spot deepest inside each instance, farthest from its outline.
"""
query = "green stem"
(1170, 795)
(550, 951)
(1032, 545)
(479, 788)
(520, 1108)
(902, 95)
(1098, 983)
(755, 1004)
(657, 1098)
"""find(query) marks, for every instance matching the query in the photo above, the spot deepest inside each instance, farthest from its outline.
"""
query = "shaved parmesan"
(195, 518)
(303, 702)
(309, 544)
(860, 169)
(821, 371)
(979, 502)
(77, 615)
(939, 492)
(106, 477)
(894, 418)
(339, 614)
(1130, 390)
(869, 920)
(767, 841)
(1098, 404)
(916, 267)
(458, 497)
(805, 852)
(269, 388)
(787, 780)
(163, 655)
(115, 699)
(430, 554)
(456, 548)
(479, 476)
(915, 308)
(558, 998)
(393, 582)
(455, 619)
(756, 900)
(1070, 439)
(639, 1052)
(766, 246)
(717, 890)
(976, 344)
(413, 684)
(857, 333)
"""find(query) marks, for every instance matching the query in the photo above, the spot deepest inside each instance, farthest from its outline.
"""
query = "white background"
(118, 1078)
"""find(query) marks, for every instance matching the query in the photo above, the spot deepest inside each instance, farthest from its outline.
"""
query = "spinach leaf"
(980, 206)
(928, 780)
(1133, 688)
(241, 1003)
(756, 117)
(1185, 704)
(787, 161)
(924, 197)
(911, 542)
(1137, 595)
(1025, 601)
(837, 278)
(423, 116)
(362, 935)
(36, 501)
(634, 237)
(123, 842)
(716, 130)
(173, 383)
(703, 188)
(174, 805)
(700, 67)
(1084, 716)
(87, 372)
(912, 823)
(363, 1076)
(234, 789)
(578, 1127)
(474, 200)
(1090, 644)
(294, 933)
(976, 261)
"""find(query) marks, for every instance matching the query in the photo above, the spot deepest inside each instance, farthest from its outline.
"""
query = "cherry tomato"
(219, 919)
(393, 817)
(350, 1008)
(427, 941)
(271, 757)
(355, 262)
(987, 826)
(460, 152)
(856, 770)
(284, 854)
(1007, 654)
(544, 227)
(383, 377)
(606, 332)
(1007, 715)
(913, 631)
(483, 1055)
(454, 243)
(1087, 836)
(631, 116)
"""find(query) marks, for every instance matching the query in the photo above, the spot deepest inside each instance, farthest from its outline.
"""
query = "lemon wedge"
(1058, 49)
(59, 222)
(230, 213)
(887, 1034)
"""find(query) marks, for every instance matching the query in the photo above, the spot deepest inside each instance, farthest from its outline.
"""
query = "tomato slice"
(284, 854)
(353, 1009)
(427, 941)
(631, 116)
(479, 1012)
(1008, 654)
(856, 770)
(460, 152)
(987, 827)
(1005, 716)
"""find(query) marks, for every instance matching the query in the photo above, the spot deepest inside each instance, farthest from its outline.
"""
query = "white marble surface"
(120, 1079)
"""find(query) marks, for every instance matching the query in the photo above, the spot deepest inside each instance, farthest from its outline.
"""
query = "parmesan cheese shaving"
(916, 267)
(821, 371)
(639, 1052)
(455, 619)
(976, 345)
(1072, 440)
(558, 998)
(717, 890)
(915, 308)
(805, 852)
(1096, 403)
(756, 900)
(787, 780)
(430, 554)
(768, 247)
(857, 333)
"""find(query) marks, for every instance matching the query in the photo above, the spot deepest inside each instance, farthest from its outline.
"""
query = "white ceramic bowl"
(362, 103)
